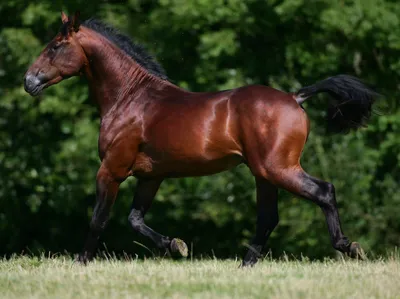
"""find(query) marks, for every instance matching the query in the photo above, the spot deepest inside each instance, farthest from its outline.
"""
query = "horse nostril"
(31, 82)
(41, 76)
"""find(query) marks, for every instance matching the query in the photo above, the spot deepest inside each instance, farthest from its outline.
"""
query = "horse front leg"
(145, 192)
(106, 192)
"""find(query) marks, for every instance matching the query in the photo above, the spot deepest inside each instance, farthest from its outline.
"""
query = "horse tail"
(350, 103)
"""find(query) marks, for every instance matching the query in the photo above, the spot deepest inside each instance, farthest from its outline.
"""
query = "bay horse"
(152, 129)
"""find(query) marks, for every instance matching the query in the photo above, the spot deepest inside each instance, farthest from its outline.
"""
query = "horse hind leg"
(267, 219)
(146, 189)
(295, 180)
(281, 167)
(274, 154)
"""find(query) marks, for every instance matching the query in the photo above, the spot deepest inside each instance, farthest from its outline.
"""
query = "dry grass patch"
(25, 277)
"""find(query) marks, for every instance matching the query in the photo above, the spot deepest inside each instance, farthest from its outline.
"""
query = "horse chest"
(118, 138)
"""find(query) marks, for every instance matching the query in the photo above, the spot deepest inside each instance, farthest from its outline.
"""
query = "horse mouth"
(34, 85)
(36, 90)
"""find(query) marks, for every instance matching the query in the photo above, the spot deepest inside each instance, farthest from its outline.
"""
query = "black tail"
(351, 103)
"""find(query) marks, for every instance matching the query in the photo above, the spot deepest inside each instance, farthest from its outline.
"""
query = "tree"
(48, 154)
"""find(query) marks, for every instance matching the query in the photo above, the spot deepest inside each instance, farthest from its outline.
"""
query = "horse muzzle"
(33, 84)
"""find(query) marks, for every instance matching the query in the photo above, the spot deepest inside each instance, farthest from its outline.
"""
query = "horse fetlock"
(342, 245)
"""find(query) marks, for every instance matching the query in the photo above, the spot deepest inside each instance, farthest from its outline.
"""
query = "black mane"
(136, 51)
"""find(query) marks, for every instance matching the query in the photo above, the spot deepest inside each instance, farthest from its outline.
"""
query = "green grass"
(24, 277)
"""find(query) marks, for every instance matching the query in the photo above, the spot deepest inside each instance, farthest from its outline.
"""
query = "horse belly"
(148, 166)
(191, 142)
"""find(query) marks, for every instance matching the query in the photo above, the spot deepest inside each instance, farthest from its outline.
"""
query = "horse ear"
(75, 21)
(64, 17)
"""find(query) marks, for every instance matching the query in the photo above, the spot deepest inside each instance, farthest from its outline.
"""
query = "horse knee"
(97, 224)
(99, 218)
(135, 218)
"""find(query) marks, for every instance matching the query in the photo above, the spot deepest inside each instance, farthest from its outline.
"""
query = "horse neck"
(114, 76)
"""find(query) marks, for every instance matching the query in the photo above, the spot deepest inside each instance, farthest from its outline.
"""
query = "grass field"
(25, 277)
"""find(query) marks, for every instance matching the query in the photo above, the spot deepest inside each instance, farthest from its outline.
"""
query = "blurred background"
(48, 144)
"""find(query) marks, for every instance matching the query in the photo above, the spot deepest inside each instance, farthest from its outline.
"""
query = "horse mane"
(134, 50)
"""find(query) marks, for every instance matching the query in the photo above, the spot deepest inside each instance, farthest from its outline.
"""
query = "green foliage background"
(48, 145)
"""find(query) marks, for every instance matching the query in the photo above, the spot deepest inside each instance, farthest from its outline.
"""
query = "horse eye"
(55, 47)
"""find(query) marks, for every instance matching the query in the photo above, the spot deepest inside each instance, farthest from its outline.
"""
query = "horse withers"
(153, 129)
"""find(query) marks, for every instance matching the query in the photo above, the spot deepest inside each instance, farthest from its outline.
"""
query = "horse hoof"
(252, 256)
(179, 246)
(247, 264)
(356, 252)
(83, 258)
